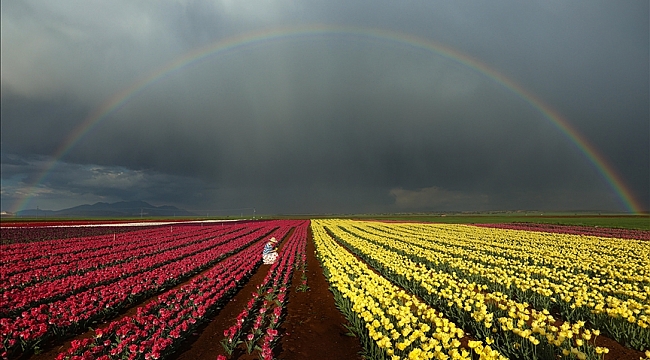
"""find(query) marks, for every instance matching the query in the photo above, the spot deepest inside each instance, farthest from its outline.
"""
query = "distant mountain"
(102, 209)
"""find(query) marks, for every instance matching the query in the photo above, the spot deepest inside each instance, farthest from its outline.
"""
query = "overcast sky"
(326, 123)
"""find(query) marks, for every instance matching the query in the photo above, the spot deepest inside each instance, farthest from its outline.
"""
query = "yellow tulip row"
(579, 247)
(595, 256)
(530, 325)
(547, 280)
(582, 254)
(576, 254)
(399, 323)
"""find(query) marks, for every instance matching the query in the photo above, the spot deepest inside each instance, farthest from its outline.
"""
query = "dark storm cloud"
(9, 160)
(37, 126)
(325, 124)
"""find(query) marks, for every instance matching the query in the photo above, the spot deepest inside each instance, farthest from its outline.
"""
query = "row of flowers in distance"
(129, 247)
(73, 243)
(575, 230)
(17, 235)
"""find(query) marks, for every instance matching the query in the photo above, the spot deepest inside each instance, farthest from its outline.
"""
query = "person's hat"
(273, 240)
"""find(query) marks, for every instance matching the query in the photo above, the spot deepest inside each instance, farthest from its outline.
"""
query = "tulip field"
(402, 290)
(58, 288)
(415, 291)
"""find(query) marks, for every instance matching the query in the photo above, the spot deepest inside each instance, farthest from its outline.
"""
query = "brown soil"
(618, 351)
(314, 326)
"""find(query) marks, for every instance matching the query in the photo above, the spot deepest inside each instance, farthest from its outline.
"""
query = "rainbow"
(237, 43)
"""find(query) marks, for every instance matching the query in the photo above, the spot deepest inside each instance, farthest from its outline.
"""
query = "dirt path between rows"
(314, 326)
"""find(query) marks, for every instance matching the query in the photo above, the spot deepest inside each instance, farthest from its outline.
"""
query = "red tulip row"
(71, 248)
(77, 234)
(160, 326)
(262, 315)
(78, 264)
(13, 235)
(575, 230)
(281, 283)
(301, 264)
(16, 300)
(15, 253)
(44, 222)
(101, 247)
(76, 312)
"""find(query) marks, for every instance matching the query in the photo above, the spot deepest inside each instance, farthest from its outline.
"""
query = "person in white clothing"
(270, 253)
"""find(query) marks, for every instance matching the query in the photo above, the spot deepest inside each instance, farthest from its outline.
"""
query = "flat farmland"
(344, 289)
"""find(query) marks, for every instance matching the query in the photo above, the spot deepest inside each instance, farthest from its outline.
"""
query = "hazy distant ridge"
(102, 209)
